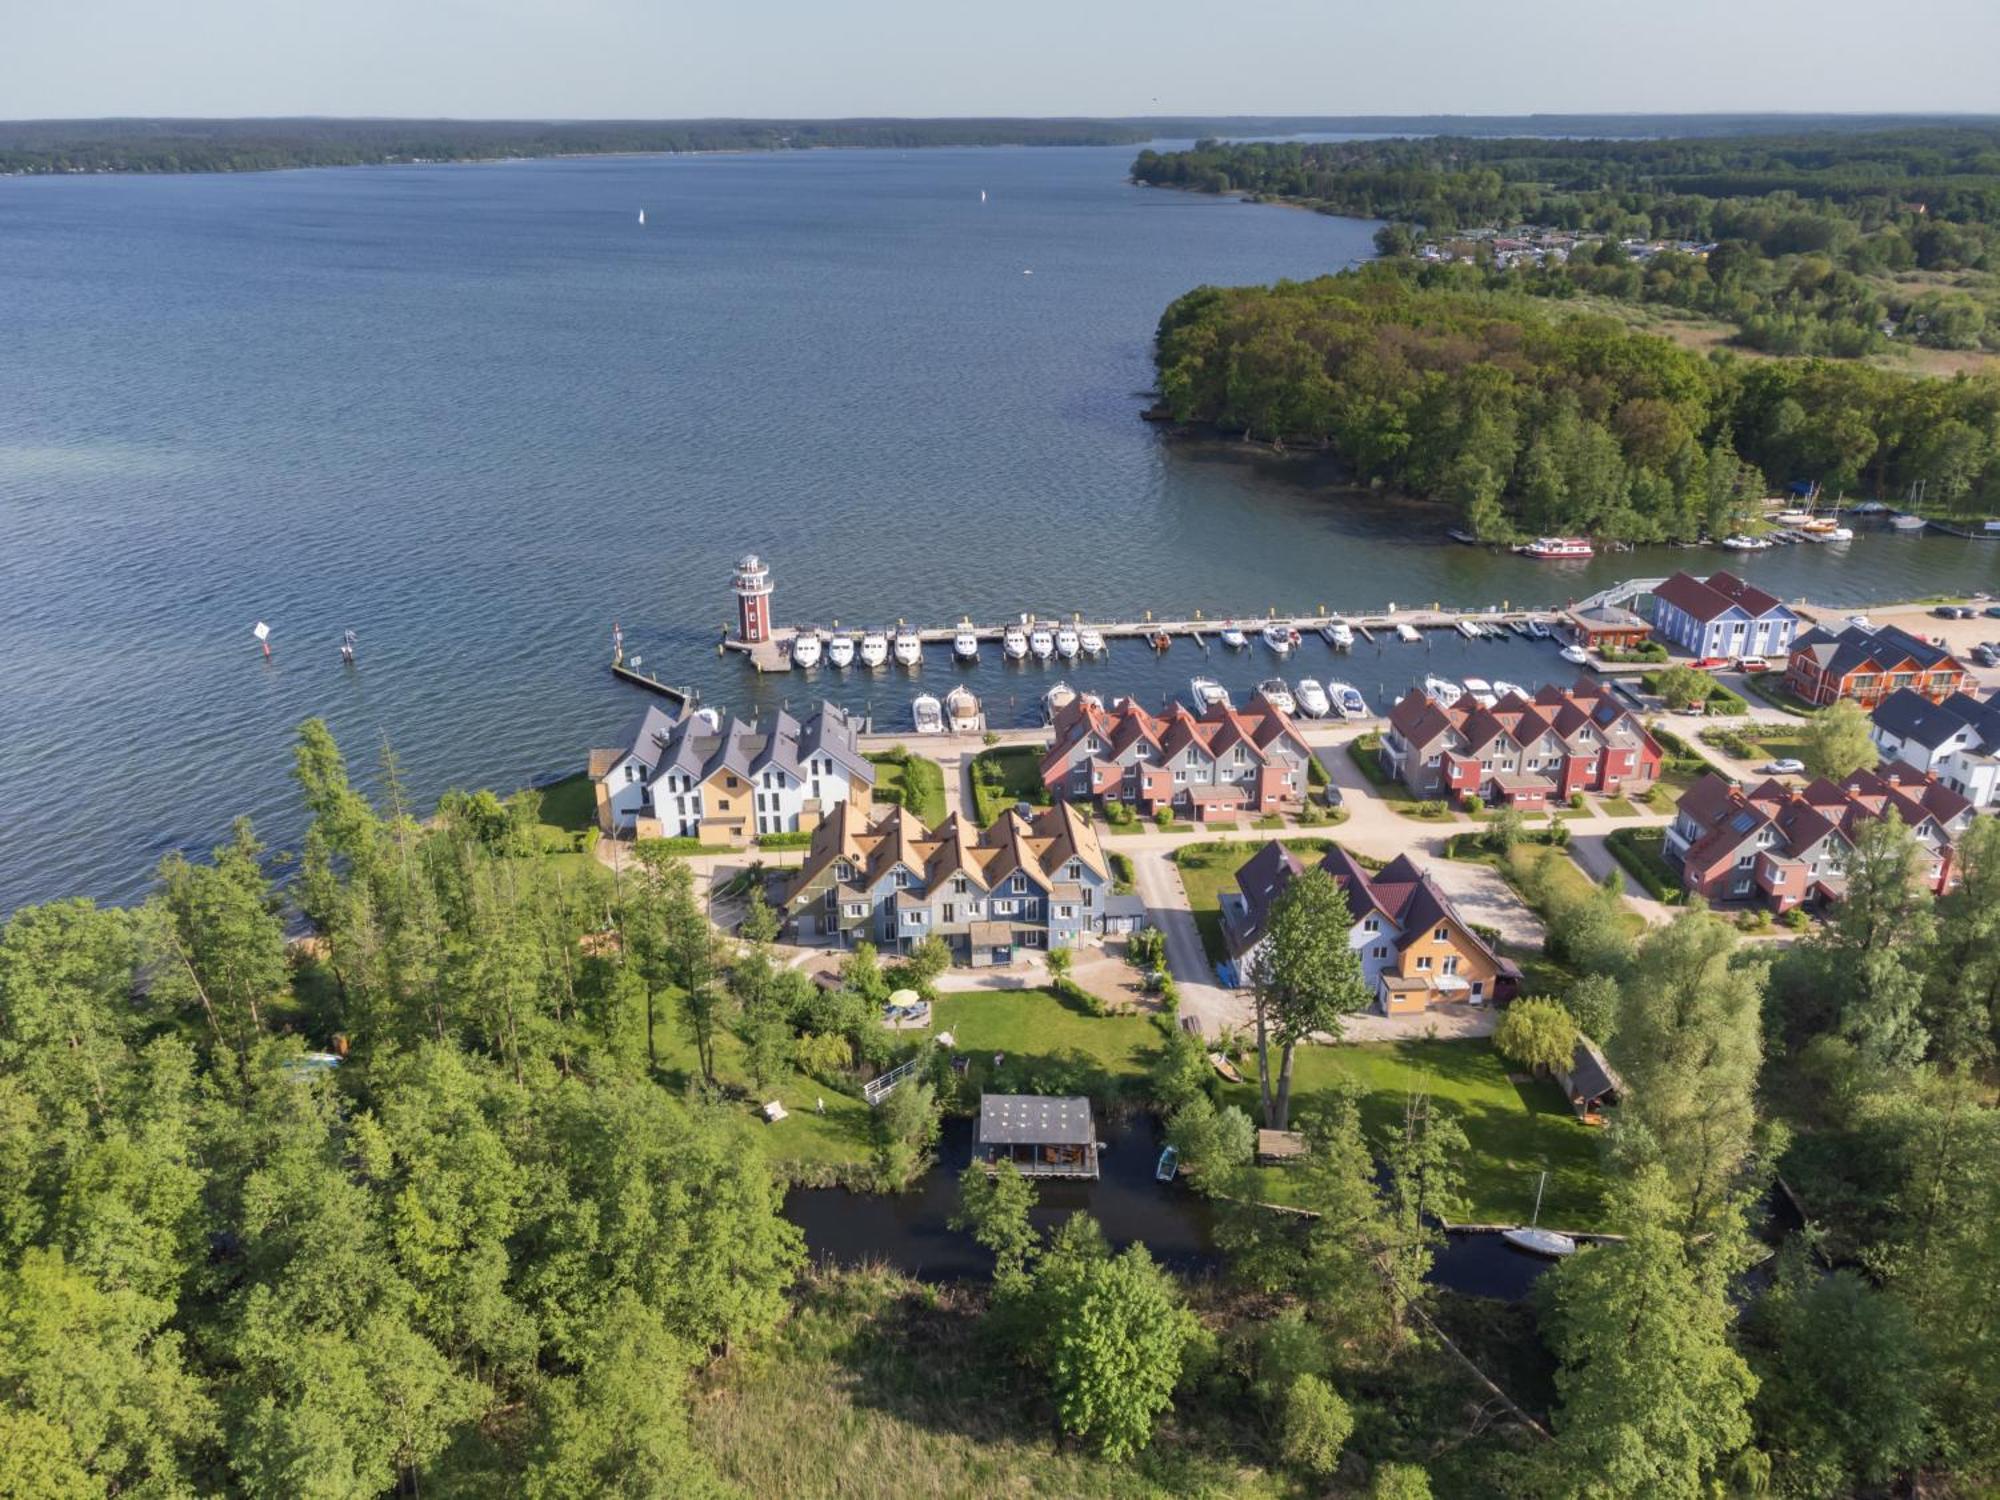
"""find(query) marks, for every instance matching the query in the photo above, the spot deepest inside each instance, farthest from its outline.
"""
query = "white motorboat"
(1443, 691)
(1207, 692)
(1313, 701)
(1014, 641)
(1407, 632)
(1481, 691)
(1469, 630)
(1576, 656)
(1347, 698)
(965, 645)
(1058, 698)
(1280, 637)
(1042, 643)
(874, 648)
(1278, 695)
(1339, 635)
(1502, 688)
(1067, 644)
(840, 650)
(1094, 700)
(1908, 523)
(927, 713)
(909, 648)
(1747, 543)
(1092, 641)
(1538, 630)
(806, 649)
(961, 706)
(1233, 637)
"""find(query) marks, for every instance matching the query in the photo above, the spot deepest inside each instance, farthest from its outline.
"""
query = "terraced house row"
(1216, 764)
(1024, 882)
(1527, 753)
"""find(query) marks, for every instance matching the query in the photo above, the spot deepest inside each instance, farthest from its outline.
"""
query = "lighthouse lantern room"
(753, 600)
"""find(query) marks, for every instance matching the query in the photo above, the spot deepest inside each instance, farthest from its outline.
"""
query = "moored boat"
(1067, 644)
(927, 714)
(1168, 1164)
(909, 648)
(1042, 643)
(1907, 522)
(1503, 688)
(1538, 630)
(1233, 637)
(1443, 691)
(1159, 640)
(1058, 698)
(1347, 699)
(961, 706)
(1278, 695)
(1313, 701)
(806, 648)
(840, 650)
(1092, 640)
(1576, 656)
(1207, 692)
(1747, 543)
(1407, 632)
(1557, 548)
(1278, 636)
(965, 645)
(1540, 1242)
(1468, 629)
(1014, 642)
(1481, 691)
(874, 648)
(1339, 635)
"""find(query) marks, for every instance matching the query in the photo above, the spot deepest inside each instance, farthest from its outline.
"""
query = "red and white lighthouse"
(753, 600)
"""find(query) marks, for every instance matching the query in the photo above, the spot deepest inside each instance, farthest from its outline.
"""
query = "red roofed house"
(1217, 764)
(1782, 846)
(1524, 752)
(1868, 665)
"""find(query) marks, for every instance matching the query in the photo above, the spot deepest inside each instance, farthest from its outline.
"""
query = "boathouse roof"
(1035, 1120)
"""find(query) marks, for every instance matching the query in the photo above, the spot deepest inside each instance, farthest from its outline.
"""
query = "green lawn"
(1005, 775)
(1565, 880)
(1640, 850)
(1362, 752)
(1514, 1130)
(1208, 869)
(915, 782)
(570, 805)
(1770, 686)
(1049, 1045)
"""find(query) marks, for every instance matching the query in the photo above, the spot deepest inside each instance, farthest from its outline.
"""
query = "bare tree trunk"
(1284, 1114)
(1264, 1062)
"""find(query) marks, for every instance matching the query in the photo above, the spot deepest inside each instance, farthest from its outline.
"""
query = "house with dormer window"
(1215, 764)
(1528, 753)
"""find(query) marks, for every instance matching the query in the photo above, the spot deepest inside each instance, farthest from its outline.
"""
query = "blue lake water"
(477, 413)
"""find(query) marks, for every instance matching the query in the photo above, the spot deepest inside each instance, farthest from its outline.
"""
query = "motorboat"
(1067, 644)
(1502, 688)
(1207, 692)
(927, 714)
(1159, 640)
(806, 649)
(1407, 632)
(840, 650)
(1313, 701)
(1576, 656)
(965, 645)
(1278, 695)
(1347, 698)
(1339, 635)
(1837, 534)
(1481, 691)
(874, 648)
(1042, 642)
(1095, 700)
(1092, 640)
(1233, 637)
(1469, 630)
(909, 648)
(1557, 548)
(961, 706)
(1443, 691)
(1280, 637)
(1747, 543)
(1539, 631)
(1058, 698)
(1014, 642)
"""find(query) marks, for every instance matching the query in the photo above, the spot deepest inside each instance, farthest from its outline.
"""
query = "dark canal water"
(477, 413)
(910, 1232)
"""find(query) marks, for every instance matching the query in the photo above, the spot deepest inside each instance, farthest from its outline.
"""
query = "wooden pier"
(775, 654)
(680, 697)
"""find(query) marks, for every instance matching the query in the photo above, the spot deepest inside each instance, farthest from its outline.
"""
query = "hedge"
(1639, 851)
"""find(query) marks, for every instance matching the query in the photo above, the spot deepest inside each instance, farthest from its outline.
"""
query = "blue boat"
(1170, 1164)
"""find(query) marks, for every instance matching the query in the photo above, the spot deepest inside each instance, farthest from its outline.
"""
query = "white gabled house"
(1722, 615)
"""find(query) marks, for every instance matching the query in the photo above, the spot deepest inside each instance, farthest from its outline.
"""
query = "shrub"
(1639, 851)
(1146, 949)
(1470, 802)
(1756, 920)
(1433, 809)
(1314, 1426)
(1076, 994)
(1576, 801)
(1798, 919)
(1121, 872)
(784, 840)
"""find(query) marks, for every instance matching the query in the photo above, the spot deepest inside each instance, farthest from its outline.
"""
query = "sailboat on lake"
(642, 218)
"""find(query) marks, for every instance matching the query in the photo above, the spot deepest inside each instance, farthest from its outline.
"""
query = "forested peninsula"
(1533, 417)
(1818, 242)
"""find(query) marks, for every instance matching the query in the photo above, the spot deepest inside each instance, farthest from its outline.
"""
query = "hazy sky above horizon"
(665, 59)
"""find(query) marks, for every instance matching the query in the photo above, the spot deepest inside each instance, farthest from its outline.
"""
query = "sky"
(669, 59)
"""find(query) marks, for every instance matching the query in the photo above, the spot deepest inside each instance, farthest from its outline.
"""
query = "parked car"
(1333, 796)
(1754, 664)
(1993, 611)
(1946, 611)
(1783, 766)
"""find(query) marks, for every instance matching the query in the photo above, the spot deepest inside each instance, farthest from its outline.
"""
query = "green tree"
(906, 1127)
(1214, 1144)
(1962, 995)
(1539, 1035)
(1838, 741)
(1400, 1482)
(1878, 943)
(760, 922)
(1315, 1426)
(1592, 1002)
(1306, 976)
(225, 947)
(993, 1207)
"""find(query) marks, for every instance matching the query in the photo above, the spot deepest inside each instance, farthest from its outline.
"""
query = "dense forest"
(1809, 244)
(1531, 419)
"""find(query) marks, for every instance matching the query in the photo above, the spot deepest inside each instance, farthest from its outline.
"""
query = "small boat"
(1576, 656)
(1556, 548)
(1347, 699)
(1407, 632)
(1443, 691)
(806, 649)
(1502, 688)
(1207, 692)
(1481, 691)
(840, 650)
(1092, 641)
(1058, 698)
(1313, 701)
(1093, 699)
(1159, 640)
(1169, 1165)
(1837, 534)
(1042, 643)
(1280, 637)
(1233, 637)
(1014, 641)
(927, 713)
(1067, 644)
(1339, 635)
(1746, 543)
(1469, 630)
(874, 648)
(347, 646)
(1539, 631)
(1278, 695)
(1907, 522)
(1539, 1241)
(1795, 517)
(909, 648)
(965, 645)
(961, 706)
(642, 216)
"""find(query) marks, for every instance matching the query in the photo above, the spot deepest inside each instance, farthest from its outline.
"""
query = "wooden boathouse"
(1042, 1135)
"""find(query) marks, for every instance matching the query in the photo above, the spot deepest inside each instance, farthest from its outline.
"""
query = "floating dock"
(680, 697)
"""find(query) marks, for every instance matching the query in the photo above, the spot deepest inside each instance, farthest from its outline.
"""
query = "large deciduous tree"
(1838, 741)
(1306, 976)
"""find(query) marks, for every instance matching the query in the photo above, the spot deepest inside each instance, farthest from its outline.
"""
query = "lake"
(478, 413)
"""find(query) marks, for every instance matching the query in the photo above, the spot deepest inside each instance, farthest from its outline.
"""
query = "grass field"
(1005, 775)
(1050, 1045)
(570, 804)
(1207, 870)
(1618, 807)
(1560, 876)
(915, 782)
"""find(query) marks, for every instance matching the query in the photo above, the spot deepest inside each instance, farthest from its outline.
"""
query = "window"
(1088, 898)
(1441, 932)
(1242, 756)
(631, 773)
(1075, 870)
(857, 908)
(1450, 965)
(1019, 885)
(1423, 963)
(1065, 913)
(960, 885)
(902, 879)
(723, 805)
(832, 896)
(914, 918)
(1435, 761)
(950, 912)
(843, 871)
(1380, 950)
(1745, 861)
(1371, 924)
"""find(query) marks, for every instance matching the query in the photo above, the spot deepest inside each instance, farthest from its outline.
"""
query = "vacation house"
(1956, 740)
(1868, 665)
(1025, 882)
(724, 780)
(1416, 951)
(1721, 615)
(1781, 846)
(1528, 753)
(1607, 627)
(1216, 764)
(1042, 1135)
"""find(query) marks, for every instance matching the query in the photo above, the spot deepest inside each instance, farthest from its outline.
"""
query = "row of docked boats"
(1445, 692)
(1018, 642)
(959, 712)
(871, 648)
(1312, 699)
(874, 648)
